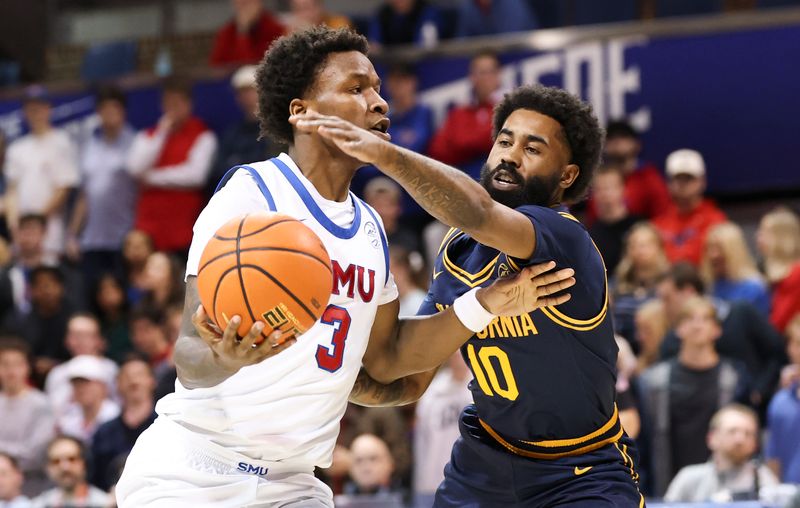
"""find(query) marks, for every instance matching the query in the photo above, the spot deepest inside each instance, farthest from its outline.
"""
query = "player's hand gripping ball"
(265, 267)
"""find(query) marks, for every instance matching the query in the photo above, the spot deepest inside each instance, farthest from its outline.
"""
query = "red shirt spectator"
(786, 299)
(465, 138)
(683, 226)
(246, 37)
(172, 161)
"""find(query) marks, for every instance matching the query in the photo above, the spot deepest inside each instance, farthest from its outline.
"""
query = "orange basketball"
(265, 267)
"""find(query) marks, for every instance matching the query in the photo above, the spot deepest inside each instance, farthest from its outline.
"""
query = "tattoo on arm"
(368, 392)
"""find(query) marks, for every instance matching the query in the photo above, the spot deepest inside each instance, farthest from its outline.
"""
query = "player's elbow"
(474, 218)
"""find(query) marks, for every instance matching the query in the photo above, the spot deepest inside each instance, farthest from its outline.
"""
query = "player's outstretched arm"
(402, 347)
(445, 192)
(368, 392)
(206, 356)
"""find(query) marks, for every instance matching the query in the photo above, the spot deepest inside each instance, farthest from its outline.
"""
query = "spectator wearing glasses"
(66, 467)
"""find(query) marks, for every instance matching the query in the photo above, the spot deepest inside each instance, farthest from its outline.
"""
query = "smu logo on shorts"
(251, 469)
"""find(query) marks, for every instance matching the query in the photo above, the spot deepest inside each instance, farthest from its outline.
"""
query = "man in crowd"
(149, 337)
(66, 467)
(11, 480)
(114, 439)
(732, 473)
(171, 161)
(683, 226)
(91, 405)
(245, 38)
(680, 396)
(372, 466)
(613, 219)
(41, 168)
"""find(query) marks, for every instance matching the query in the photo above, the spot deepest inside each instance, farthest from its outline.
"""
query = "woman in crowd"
(778, 241)
(111, 307)
(136, 248)
(651, 327)
(162, 281)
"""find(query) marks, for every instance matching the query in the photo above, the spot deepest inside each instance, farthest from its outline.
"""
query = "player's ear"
(569, 175)
(297, 107)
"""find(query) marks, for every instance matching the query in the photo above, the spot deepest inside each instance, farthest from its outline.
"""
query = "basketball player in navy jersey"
(544, 430)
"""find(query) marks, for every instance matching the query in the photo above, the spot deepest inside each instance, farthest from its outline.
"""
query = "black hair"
(149, 313)
(178, 84)
(110, 93)
(82, 450)
(42, 270)
(684, 274)
(33, 217)
(620, 129)
(402, 69)
(580, 127)
(14, 343)
(290, 68)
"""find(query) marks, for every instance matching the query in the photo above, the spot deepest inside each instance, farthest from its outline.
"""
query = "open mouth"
(381, 129)
(504, 179)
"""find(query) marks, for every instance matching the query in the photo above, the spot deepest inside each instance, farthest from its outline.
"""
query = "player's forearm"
(369, 392)
(448, 194)
(196, 364)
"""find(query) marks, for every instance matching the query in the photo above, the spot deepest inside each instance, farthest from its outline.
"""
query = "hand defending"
(233, 353)
(364, 145)
(528, 290)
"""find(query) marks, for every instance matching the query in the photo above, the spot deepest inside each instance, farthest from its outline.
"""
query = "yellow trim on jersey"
(445, 239)
(556, 443)
(470, 279)
(514, 265)
(535, 455)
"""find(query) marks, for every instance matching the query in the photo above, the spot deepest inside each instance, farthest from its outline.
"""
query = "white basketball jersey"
(287, 408)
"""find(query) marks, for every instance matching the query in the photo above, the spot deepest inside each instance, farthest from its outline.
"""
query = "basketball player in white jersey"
(248, 422)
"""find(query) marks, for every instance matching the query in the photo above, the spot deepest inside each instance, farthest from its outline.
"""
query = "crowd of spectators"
(98, 229)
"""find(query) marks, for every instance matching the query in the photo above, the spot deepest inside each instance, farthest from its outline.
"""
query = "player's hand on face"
(535, 286)
(356, 142)
(233, 352)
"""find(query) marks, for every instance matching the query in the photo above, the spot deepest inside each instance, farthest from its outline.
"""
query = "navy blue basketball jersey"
(543, 382)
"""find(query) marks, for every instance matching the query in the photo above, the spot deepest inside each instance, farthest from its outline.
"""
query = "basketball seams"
(286, 290)
(278, 249)
(239, 269)
(216, 292)
(251, 233)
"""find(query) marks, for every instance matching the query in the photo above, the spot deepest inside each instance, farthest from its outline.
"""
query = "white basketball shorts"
(171, 467)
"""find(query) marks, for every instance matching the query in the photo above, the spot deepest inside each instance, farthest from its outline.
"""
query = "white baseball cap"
(89, 367)
(686, 162)
(245, 77)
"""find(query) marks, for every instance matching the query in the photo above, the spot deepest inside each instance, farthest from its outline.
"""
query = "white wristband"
(471, 313)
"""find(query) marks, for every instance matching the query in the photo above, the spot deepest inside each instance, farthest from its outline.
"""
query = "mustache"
(508, 167)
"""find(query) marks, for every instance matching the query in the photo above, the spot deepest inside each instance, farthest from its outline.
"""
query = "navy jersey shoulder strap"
(259, 181)
(384, 241)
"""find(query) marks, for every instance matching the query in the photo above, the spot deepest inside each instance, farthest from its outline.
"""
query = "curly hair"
(583, 133)
(289, 69)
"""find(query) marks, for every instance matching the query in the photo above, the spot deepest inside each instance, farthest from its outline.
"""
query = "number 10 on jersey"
(483, 366)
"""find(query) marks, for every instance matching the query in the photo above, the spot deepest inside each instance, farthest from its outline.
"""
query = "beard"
(535, 190)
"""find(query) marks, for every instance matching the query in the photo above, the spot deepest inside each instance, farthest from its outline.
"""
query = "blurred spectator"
(136, 250)
(307, 13)
(11, 479)
(731, 474)
(728, 268)
(494, 17)
(83, 339)
(782, 450)
(245, 38)
(27, 424)
(114, 439)
(90, 406)
(104, 210)
(436, 427)
(679, 396)
(162, 281)
(171, 161)
(30, 253)
(240, 143)
(651, 327)
(149, 337)
(45, 325)
(372, 467)
(66, 458)
(778, 240)
(684, 225)
(626, 399)
(111, 306)
(406, 276)
(747, 336)
(384, 195)
(613, 220)
(399, 22)
(465, 138)
(646, 193)
(40, 169)
(642, 264)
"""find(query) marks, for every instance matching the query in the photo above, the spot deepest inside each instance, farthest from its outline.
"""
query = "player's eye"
(503, 142)
(356, 89)
(532, 150)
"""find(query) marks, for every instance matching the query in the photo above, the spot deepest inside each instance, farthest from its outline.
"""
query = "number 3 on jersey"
(330, 358)
(483, 361)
